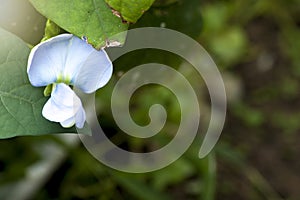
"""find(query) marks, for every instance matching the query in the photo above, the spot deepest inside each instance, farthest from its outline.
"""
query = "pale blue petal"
(80, 118)
(47, 60)
(95, 72)
(62, 105)
(68, 123)
(78, 53)
(69, 59)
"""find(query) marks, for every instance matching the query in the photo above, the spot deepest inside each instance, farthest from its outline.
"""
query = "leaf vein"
(12, 115)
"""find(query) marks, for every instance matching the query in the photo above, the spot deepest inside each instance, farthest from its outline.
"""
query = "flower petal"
(62, 105)
(67, 58)
(80, 118)
(47, 60)
(95, 72)
(68, 123)
(77, 54)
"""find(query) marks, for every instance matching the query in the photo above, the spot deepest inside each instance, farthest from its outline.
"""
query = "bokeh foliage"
(256, 46)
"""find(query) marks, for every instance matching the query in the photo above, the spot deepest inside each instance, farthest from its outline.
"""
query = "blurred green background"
(256, 45)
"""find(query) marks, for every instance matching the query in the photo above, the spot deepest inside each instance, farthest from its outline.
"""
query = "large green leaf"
(131, 10)
(91, 18)
(20, 103)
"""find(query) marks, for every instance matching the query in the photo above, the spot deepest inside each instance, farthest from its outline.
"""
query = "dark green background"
(256, 46)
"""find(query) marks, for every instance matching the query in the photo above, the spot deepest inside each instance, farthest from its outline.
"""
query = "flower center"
(60, 79)
(63, 79)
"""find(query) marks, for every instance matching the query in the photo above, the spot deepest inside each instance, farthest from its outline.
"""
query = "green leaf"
(130, 10)
(20, 103)
(91, 18)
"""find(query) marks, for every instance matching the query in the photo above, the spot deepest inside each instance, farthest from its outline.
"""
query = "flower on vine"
(62, 61)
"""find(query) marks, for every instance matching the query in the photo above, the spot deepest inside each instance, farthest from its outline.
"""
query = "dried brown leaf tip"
(118, 14)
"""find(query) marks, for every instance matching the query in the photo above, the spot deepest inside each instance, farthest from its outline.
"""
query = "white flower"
(67, 60)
